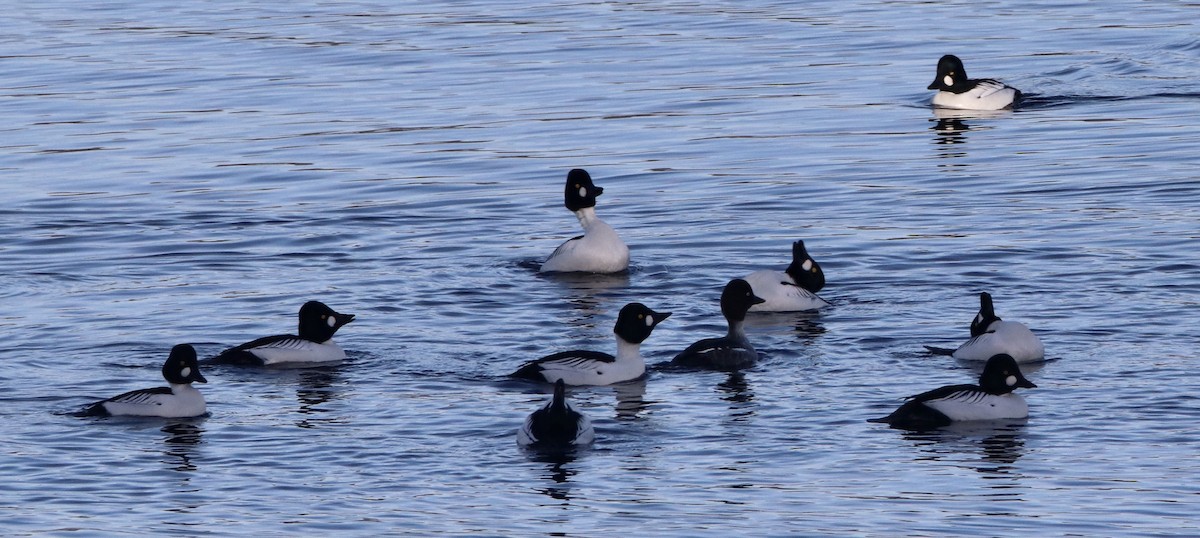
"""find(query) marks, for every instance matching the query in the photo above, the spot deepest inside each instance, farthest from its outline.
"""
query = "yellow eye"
(576, 185)
(324, 317)
(641, 316)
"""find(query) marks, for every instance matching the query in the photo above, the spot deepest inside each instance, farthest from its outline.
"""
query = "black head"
(182, 367)
(319, 322)
(559, 403)
(737, 298)
(580, 191)
(951, 75)
(804, 270)
(636, 321)
(986, 315)
(1001, 375)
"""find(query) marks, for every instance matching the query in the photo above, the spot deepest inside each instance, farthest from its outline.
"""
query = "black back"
(555, 424)
(814, 278)
(580, 192)
(915, 415)
(723, 354)
(533, 369)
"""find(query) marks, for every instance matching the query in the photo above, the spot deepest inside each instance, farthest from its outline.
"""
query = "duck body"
(313, 345)
(556, 425)
(992, 399)
(600, 249)
(1010, 337)
(792, 290)
(178, 400)
(957, 91)
(584, 367)
(991, 336)
(733, 351)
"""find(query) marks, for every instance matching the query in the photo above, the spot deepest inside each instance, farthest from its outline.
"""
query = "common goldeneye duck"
(179, 400)
(582, 367)
(733, 351)
(991, 399)
(793, 289)
(599, 249)
(556, 425)
(955, 90)
(992, 336)
(313, 344)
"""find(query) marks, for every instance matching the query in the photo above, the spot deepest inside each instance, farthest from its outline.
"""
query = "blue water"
(193, 172)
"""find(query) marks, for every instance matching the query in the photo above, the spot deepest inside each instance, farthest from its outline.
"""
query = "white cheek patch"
(948, 80)
(649, 321)
(807, 265)
(583, 192)
(331, 321)
(185, 372)
(1010, 380)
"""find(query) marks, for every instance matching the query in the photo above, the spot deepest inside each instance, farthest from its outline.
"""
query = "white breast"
(600, 250)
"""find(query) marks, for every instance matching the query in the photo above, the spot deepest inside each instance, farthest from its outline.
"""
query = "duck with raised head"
(733, 351)
(599, 249)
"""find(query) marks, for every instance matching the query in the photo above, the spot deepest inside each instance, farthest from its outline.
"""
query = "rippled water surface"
(194, 171)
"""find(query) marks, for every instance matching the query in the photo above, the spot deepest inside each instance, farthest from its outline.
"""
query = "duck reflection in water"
(558, 472)
(317, 386)
(631, 398)
(1000, 444)
(806, 324)
(739, 395)
(950, 128)
(181, 440)
(587, 291)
